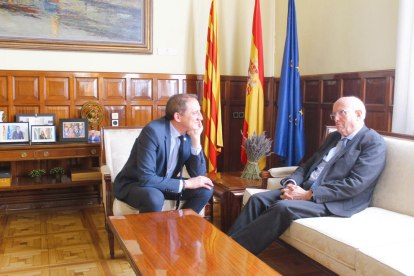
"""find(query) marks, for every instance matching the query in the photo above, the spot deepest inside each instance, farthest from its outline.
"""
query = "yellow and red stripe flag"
(254, 112)
(213, 141)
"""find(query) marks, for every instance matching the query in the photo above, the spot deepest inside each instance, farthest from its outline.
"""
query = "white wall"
(334, 36)
(340, 35)
(178, 24)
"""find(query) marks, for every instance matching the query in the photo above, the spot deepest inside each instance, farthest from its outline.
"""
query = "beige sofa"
(377, 241)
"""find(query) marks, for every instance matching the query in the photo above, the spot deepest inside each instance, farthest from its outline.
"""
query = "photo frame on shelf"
(94, 136)
(43, 134)
(36, 119)
(73, 130)
(14, 132)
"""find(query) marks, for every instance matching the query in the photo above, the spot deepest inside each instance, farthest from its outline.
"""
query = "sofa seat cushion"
(121, 208)
(392, 259)
(341, 238)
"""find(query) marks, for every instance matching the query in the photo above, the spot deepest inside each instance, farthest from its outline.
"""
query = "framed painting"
(43, 134)
(14, 132)
(77, 25)
(73, 130)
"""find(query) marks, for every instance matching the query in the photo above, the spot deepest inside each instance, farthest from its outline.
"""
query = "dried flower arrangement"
(256, 147)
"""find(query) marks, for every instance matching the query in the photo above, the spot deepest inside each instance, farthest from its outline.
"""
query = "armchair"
(116, 145)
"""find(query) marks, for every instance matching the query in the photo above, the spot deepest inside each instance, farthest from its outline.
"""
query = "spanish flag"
(213, 141)
(254, 112)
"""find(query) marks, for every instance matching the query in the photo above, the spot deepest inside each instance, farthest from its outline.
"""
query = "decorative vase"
(58, 177)
(38, 179)
(251, 171)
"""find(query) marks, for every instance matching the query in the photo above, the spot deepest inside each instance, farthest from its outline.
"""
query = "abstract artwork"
(93, 25)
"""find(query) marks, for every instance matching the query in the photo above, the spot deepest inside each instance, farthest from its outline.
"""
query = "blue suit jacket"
(147, 164)
(348, 180)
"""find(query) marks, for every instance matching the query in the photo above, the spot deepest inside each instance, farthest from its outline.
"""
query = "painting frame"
(36, 134)
(5, 131)
(144, 46)
(63, 137)
(36, 119)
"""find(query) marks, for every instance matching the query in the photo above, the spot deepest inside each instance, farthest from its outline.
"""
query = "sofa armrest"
(107, 190)
(271, 180)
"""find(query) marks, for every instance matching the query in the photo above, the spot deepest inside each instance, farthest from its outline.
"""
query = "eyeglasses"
(340, 113)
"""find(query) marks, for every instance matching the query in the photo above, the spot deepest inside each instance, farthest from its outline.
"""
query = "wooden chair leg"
(111, 242)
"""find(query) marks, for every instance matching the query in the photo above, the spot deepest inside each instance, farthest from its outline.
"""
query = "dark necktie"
(181, 164)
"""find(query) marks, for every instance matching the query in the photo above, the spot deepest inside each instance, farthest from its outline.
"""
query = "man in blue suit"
(159, 153)
(339, 179)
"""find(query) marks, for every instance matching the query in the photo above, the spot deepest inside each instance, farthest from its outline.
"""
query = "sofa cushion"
(341, 238)
(392, 259)
(395, 190)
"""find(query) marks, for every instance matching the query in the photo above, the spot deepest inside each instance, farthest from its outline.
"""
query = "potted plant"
(58, 172)
(37, 174)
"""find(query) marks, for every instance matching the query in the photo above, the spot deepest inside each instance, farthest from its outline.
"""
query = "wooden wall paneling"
(107, 115)
(224, 160)
(375, 91)
(141, 89)
(237, 101)
(57, 89)
(26, 89)
(160, 111)
(114, 89)
(331, 91)
(25, 109)
(194, 85)
(167, 88)
(274, 160)
(140, 98)
(3, 89)
(352, 87)
(86, 89)
(311, 91)
(311, 127)
(62, 112)
(141, 115)
(389, 103)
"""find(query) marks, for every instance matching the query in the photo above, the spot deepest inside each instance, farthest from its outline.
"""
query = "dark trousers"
(265, 217)
(148, 199)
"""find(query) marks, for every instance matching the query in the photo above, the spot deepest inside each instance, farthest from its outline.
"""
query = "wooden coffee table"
(182, 243)
(230, 187)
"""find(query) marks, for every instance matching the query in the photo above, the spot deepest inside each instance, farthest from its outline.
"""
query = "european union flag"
(289, 138)
(8, 133)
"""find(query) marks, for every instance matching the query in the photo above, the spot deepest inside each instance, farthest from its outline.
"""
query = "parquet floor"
(73, 241)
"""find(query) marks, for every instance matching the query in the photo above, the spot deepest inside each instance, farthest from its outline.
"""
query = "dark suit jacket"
(348, 180)
(147, 164)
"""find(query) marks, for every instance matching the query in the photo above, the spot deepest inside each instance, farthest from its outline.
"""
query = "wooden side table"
(230, 187)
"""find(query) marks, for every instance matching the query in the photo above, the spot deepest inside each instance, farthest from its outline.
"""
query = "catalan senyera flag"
(254, 112)
(213, 141)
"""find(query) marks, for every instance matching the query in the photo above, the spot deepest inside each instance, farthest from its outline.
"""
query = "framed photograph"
(43, 134)
(94, 136)
(73, 130)
(14, 132)
(36, 119)
(77, 25)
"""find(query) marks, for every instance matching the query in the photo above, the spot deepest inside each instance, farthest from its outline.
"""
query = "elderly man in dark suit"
(339, 179)
(159, 153)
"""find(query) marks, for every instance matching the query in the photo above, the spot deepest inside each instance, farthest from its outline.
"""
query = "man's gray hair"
(357, 104)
